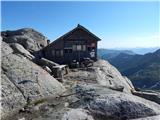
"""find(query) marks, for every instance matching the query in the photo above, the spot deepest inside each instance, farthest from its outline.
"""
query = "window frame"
(59, 53)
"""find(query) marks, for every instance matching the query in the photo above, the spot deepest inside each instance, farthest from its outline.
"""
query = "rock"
(117, 88)
(66, 104)
(77, 114)
(27, 37)
(29, 80)
(6, 50)
(104, 74)
(122, 106)
(157, 117)
(109, 75)
(110, 104)
(21, 50)
(11, 98)
(129, 82)
(45, 62)
(22, 118)
(153, 96)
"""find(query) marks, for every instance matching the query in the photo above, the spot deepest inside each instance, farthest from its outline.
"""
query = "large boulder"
(45, 62)
(28, 81)
(11, 95)
(5, 49)
(104, 103)
(108, 75)
(104, 74)
(19, 49)
(27, 37)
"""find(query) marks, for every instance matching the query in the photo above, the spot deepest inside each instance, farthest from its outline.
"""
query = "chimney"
(78, 25)
(48, 42)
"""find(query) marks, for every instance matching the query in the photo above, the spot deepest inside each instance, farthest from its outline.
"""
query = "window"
(79, 47)
(74, 47)
(53, 52)
(59, 53)
(83, 47)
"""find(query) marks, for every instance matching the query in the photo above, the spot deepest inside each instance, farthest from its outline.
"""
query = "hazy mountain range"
(143, 70)
(108, 54)
(143, 51)
(137, 50)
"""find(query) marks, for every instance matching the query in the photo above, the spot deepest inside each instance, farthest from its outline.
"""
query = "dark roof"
(78, 27)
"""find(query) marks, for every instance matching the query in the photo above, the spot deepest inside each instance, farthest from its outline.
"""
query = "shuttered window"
(74, 47)
(79, 47)
(83, 47)
(59, 53)
(53, 52)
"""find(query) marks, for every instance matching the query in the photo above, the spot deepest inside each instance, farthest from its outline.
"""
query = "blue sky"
(118, 24)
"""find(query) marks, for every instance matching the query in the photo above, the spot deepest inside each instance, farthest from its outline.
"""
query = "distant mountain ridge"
(143, 70)
(138, 50)
(143, 51)
(108, 53)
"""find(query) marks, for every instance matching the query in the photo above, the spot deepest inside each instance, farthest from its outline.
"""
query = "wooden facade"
(77, 44)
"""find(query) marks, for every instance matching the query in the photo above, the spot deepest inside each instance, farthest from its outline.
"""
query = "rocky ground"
(99, 92)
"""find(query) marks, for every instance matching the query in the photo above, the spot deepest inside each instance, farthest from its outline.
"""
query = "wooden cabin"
(77, 44)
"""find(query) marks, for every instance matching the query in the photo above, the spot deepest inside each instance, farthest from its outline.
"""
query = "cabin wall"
(69, 45)
(49, 51)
